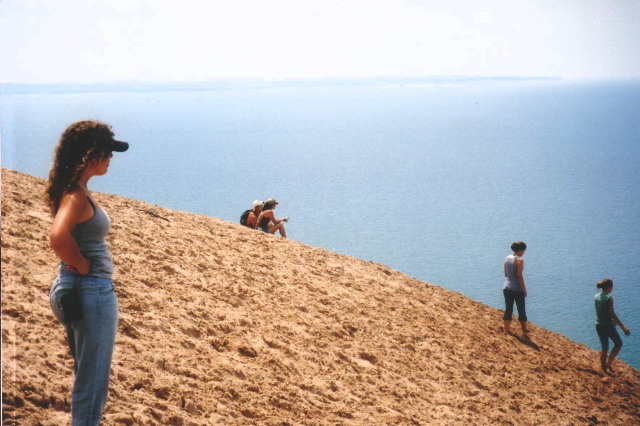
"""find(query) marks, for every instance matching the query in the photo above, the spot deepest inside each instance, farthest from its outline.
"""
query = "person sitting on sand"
(252, 219)
(514, 288)
(606, 320)
(267, 222)
(77, 237)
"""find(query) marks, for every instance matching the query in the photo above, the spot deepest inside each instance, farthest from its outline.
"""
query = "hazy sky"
(186, 40)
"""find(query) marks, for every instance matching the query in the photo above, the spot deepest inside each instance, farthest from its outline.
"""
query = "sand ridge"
(223, 325)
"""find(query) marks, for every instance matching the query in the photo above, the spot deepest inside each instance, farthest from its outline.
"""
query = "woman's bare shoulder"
(74, 198)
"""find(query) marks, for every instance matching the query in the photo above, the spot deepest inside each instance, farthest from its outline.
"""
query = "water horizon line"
(223, 84)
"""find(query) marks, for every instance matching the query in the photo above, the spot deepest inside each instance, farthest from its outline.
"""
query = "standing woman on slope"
(77, 236)
(514, 288)
(267, 221)
(606, 320)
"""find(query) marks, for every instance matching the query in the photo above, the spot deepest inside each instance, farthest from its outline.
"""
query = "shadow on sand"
(528, 342)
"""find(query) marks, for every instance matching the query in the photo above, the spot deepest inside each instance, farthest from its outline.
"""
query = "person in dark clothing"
(514, 289)
(267, 221)
(606, 320)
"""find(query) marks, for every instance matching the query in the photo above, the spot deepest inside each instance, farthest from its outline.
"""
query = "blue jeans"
(511, 296)
(91, 342)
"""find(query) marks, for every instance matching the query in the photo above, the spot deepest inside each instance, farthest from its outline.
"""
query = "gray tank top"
(511, 280)
(90, 236)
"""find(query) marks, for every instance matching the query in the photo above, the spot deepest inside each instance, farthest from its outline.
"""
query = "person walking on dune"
(82, 296)
(514, 289)
(606, 320)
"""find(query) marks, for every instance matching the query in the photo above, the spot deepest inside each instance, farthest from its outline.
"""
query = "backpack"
(245, 216)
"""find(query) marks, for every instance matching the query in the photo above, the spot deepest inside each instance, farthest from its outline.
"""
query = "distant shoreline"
(223, 85)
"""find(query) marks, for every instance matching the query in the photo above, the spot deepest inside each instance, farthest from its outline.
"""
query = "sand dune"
(223, 325)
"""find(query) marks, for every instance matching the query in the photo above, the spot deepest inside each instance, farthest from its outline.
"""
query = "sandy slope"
(224, 325)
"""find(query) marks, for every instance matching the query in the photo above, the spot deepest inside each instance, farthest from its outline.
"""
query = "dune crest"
(223, 325)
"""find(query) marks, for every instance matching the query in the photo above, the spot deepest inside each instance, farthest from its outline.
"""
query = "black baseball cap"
(105, 142)
(118, 146)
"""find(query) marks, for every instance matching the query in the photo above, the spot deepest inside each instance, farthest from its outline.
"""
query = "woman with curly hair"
(82, 296)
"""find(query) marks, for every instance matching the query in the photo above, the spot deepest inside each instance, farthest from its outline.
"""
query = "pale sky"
(51, 41)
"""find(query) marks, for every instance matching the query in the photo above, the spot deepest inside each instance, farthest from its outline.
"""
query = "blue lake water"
(435, 180)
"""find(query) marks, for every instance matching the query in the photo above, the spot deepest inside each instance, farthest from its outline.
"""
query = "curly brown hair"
(81, 143)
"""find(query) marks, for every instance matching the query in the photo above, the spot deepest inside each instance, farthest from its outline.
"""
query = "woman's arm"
(519, 267)
(73, 210)
(261, 216)
(615, 317)
(272, 217)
